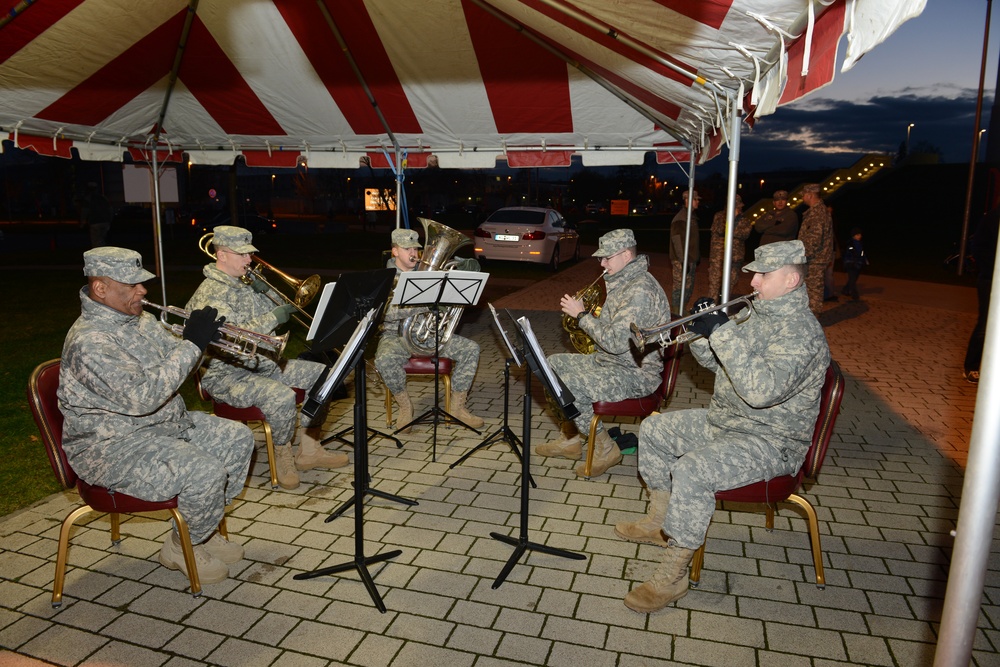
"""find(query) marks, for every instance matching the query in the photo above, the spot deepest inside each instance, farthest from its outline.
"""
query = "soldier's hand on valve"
(202, 327)
(706, 325)
(703, 303)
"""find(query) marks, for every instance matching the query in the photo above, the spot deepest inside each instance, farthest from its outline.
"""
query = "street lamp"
(908, 128)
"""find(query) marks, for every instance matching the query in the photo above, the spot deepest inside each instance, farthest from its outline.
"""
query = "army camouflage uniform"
(126, 427)
(816, 234)
(759, 423)
(677, 227)
(717, 252)
(392, 352)
(775, 226)
(260, 380)
(615, 371)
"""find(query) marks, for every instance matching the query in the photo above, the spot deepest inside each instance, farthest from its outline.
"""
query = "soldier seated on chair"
(260, 381)
(769, 373)
(126, 427)
(616, 370)
(392, 352)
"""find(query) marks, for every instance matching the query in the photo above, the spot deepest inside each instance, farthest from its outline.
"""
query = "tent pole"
(157, 229)
(399, 187)
(687, 235)
(978, 508)
(734, 171)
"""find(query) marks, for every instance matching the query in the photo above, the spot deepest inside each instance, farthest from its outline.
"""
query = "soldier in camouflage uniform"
(718, 248)
(816, 234)
(616, 370)
(126, 427)
(677, 233)
(392, 353)
(260, 381)
(769, 374)
(779, 224)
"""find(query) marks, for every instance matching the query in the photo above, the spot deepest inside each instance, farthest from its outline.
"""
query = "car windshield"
(518, 217)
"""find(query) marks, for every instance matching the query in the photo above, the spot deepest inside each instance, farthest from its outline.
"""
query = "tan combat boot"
(284, 467)
(405, 414)
(312, 455)
(568, 448)
(211, 570)
(459, 411)
(649, 529)
(606, 455)
(669, 582)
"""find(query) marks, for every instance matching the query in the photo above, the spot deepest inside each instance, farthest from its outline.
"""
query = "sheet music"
(536, 350)
(324, 299)
(461, 288)
(510, 348)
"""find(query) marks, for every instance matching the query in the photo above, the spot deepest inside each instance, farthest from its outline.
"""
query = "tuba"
(420, 331)
(592, 297)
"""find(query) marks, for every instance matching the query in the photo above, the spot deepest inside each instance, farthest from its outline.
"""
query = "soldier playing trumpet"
(616, 370)
(258, 380)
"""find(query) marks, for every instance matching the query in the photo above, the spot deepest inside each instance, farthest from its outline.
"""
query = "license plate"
(506, 237)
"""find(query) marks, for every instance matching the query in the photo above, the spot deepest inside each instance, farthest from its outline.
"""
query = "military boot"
(649, 529)
(226, 551)
(405, 413)
(459, 411)
(669, 582)
(568, 448)
(211, 570)
(606, 455)
(312, 455)
(284, 467)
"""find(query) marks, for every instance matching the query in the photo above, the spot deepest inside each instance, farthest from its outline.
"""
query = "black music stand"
(435, 289)
(354, 352)
(564, 398)
(504, 433)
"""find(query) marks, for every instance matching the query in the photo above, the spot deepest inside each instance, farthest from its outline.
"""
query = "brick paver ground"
(887, 498)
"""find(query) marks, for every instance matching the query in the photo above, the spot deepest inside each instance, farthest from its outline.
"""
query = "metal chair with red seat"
(42, 386)
(422, 366)
(637, 407)
(250, 414)
(783, 488)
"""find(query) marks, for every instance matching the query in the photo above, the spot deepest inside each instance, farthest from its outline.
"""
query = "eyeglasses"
(610, 257)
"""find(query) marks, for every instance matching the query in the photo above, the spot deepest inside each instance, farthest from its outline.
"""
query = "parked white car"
(527, 234)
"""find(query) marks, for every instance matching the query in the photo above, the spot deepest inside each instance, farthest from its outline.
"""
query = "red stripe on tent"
(33, 21)
(205, 70)
(539, 158)
(213, 79)
(317, 41)
(275, 159)
(710, 12)
(527, 87)
(827, 30)
(378, 160)
(44, 145)
(416, 160)
(615, 45)
(146, 155)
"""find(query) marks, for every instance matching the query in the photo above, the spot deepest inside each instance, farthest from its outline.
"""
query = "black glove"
(282, 313)
(202, 327)
(258, 285)
(706, 325)
(704, 303)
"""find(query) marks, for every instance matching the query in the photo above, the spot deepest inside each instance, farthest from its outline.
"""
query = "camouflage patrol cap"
(405, 238)
(614, 241)
(781, 194)
(237, 239)
(772, 256)
(120, 264)
(811, 187)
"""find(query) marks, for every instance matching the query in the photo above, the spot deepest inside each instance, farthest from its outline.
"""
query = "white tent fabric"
(535, 81)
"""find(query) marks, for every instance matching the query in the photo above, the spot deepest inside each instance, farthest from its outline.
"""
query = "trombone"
(305, 289)
(235, 340)
(661, 332)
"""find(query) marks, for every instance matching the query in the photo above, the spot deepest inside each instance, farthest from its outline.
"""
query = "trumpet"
(235, 340)
(305, 289)
(661, 333)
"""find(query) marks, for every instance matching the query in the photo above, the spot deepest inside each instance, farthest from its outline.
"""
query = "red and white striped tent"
(464, 81)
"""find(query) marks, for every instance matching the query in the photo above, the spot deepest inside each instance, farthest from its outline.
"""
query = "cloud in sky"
(821, 132)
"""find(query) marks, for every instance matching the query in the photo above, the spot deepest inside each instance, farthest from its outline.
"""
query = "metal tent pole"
(734, 164)
(158, 229)
(687, 235)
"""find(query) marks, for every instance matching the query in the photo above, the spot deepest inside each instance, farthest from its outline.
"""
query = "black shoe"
(972, 377)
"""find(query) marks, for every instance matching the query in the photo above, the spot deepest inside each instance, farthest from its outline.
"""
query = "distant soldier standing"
(716, 255)
(816, 235)
(677, 233)
(780, 224)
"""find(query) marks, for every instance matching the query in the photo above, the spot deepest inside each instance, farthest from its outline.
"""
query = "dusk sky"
(926, 73)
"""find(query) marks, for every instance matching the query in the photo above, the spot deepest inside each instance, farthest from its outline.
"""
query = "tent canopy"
(452, 82)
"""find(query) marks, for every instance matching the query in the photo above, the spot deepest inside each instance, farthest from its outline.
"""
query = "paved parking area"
(887, 498)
